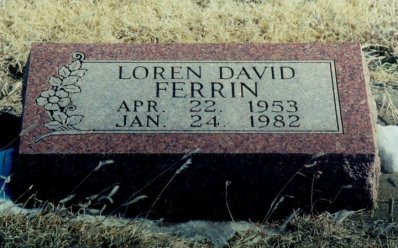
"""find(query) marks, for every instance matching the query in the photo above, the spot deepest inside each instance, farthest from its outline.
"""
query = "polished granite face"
(255, 114)
(243, 98)
(134, 97)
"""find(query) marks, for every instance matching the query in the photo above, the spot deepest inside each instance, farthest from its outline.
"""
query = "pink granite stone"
(263, 161)
(45, 59)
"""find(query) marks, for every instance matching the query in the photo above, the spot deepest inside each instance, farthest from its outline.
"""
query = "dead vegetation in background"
(383, 65)
(23, 22)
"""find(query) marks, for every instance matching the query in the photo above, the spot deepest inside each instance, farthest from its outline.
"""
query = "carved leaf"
(60, 116)
(70, 80)
(53, 81)
(79, 73)
(54, 125)
(75, 65)
(74, 119)
(63, 71)
(72, 89)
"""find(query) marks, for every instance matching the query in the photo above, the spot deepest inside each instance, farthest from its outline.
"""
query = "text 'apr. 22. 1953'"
(197, 96)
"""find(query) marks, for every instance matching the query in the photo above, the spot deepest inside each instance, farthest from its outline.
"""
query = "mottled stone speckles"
(356, 119)
(258, 164)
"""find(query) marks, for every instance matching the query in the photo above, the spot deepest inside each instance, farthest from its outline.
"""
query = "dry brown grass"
(51, 229)
(193, 21)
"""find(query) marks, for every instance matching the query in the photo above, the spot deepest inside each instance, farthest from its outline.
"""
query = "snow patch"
(387, 140)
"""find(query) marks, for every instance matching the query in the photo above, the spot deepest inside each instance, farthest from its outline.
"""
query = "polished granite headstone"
(184, 124)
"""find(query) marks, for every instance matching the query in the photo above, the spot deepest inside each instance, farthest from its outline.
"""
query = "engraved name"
(186, 82)
(192, 97)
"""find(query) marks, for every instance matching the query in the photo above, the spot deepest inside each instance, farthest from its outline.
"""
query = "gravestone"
(199, 131)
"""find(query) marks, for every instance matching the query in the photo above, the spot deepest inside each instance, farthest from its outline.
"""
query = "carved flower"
(53, 100)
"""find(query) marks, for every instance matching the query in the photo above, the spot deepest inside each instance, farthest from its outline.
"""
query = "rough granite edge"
(375, 175)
